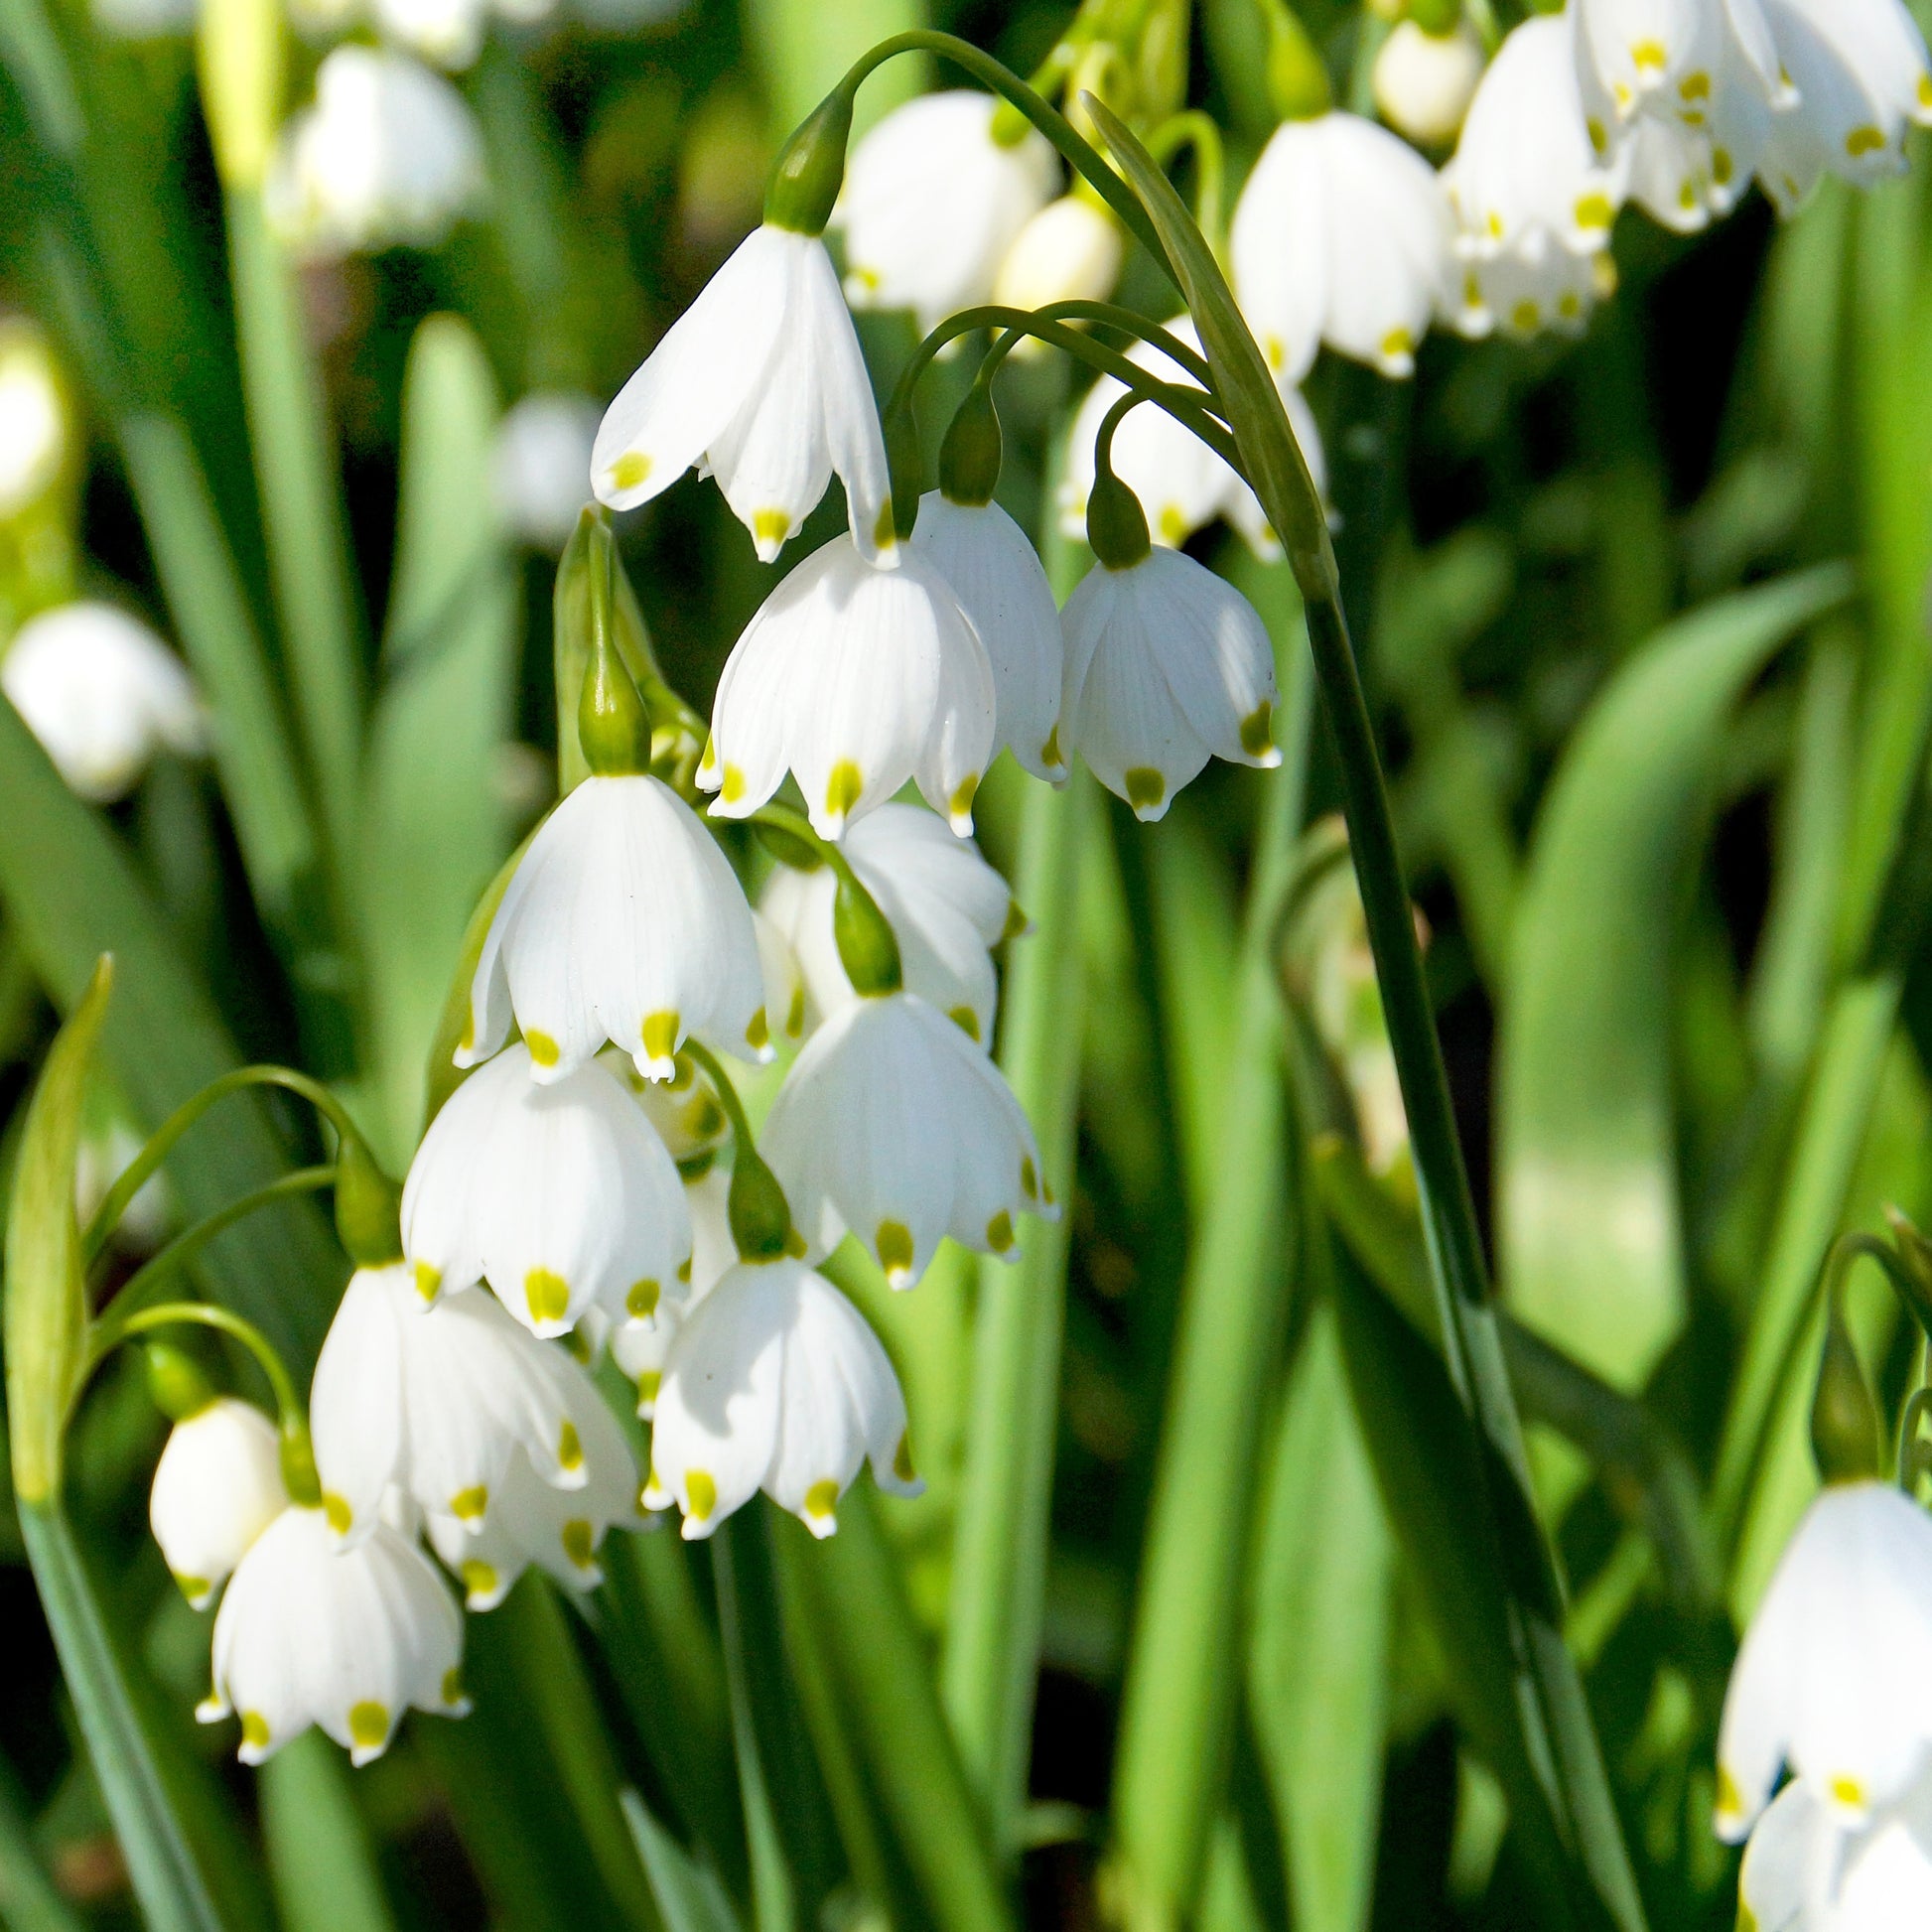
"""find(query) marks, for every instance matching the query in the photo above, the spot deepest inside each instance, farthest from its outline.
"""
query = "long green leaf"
(320, 1859)
(28, 1902)
(434, 830)
(689, 1898)
(1317, 1657)
(71, 895)
(1592, 1239)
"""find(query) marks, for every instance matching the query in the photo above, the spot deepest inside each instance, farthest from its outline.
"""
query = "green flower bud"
(761, 1216)
(1298, 82)
(788, 848)
(369, 1206)
(592, 550)
(867, 948)
(811, 169)
(1116, 523)
(969, 458)
(613, 719)
(906, 463)
(176, 1381)
(1438, 17)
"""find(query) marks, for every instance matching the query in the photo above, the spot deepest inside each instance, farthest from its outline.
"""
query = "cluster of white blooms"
(387, 155)
(102, 694)
(1833, 1684)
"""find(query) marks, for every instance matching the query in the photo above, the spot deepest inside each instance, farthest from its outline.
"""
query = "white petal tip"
(365, 1754)
(211, 1710)
(253, 1754)
(461, 1705)
(695, 1529)
(654, 1067)
(820, 1525)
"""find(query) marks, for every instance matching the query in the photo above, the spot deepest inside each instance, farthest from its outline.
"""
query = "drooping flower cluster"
(1834, 1685)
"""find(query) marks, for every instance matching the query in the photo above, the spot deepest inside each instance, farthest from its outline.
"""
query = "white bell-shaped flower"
(1182, 484)
(312, 1633)
(217, 1487)
(33, 419)
(761, 380)
(447, 32)
(1835, 1675)
(389, 156)
(1340, 236)
(1000, 584)
(1424, 81)
(1861, 71)
(541, 469)
(855, 680)
(1533, 203)
(102, 694)
(641, 1349)
(684, 1110)
(624, 923)
(1071, 250)
(1676, 59)
(1166, 667)
(931, 204)
(436, 1399)
(947, 906)
(775, 1383)
(892, 1124)
(530, 1521)
(1807, 1871)
(557, 1195)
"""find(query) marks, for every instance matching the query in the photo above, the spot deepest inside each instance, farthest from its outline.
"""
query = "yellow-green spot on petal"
(631, 470)
(548, 1295)
(642, 1298)
(699, 1494)
(1398, 345)
(966, 1019)
(822, 1497)
(708, 758)
(884, 536)
(684, 1269)
(894, 1246)
(1599, 136)
(732, 789)
(1849, 1791)
(1276, 352)
(1863, 140)
(336, 1511)
(1525, 317)
(758, 1035)
(369, 1723)
(1649, 53)
(998, 1232)
(903, 1460)
(1495, 224)
(544, 1051)
(843, 787)
(795, 1016)
(1029, 1177)
(1594, 212)
(1924, 91)
(648, 1383)
(428, 1279)
(478, 1577)
(453, 1684)
(1687, 196)
(960, 805)
(1173, 525)
(770, 526)
(1730, 1800)
(1695, 85)
(1258, 730)
(1145, 787)
(467, 1040)
(1568, 307)
(1692, 117)
(579, 1543)
(570, 1449)
(193, 1588)
(254, 1729)
(660, 1032)
(1721, 166)
(1050, 752)
(469, 1506)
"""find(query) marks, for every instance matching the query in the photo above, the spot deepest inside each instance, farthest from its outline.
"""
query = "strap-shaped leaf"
(1588, 1134)
(688, 1895)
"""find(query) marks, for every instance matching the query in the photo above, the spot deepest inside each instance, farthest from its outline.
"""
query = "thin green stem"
(727, 1093)
(138, 1172)
(157, 1270)
(1196, 129)
(107, 1334)
(1080, 155)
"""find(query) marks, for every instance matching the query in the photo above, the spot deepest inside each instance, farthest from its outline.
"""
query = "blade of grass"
(320, 1859)
(689, 1898)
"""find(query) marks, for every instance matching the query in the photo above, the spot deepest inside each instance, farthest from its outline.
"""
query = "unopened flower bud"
(369, 1206)
(218, 1484)
(866, 949)
(1424, 81)
(1845, 1429)
(1071, 249)
(1116, 530)
(970, 456)
(1298, 82)
(805, 183)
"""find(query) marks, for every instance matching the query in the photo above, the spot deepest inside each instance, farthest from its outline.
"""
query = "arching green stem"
(1080, 155)
(298, 1457)
(761, 1216)
(868, 946)
(1196, 129)
(162, 1142)
(159, 1268)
